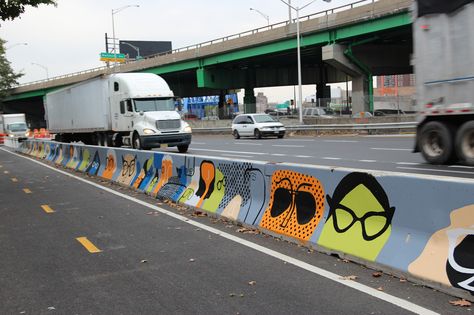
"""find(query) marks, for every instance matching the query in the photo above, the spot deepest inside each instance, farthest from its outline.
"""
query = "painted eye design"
(374, 223)
(289, 200)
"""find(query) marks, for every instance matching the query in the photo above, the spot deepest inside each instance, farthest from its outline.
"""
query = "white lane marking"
(461, 166)
(278, 154)
(288, 145)
(247, 143)
(341, 141)
(368, 161)
(302, 140)
(434, 170)
(304, 156)
(225, 151)
(391, 149)
(330, 158)
(407, 135)
(412, 307)
(238, 155)
(407, 163)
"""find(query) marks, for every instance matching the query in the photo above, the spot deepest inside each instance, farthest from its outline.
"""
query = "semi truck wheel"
(465, 143)
(136, 143)
(436, 143)
(107, 140)
(183, 148)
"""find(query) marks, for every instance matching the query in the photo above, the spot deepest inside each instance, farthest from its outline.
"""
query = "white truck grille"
(168, 124)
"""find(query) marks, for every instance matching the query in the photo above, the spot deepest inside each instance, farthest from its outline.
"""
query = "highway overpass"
(353, 42)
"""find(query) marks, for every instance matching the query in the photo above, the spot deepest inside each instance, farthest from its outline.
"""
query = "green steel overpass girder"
(209, 74)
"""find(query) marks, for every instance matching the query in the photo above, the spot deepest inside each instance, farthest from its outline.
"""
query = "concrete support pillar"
(360, 97)
(221, 108)
(250, 101)
(323, 94)
(334, 55)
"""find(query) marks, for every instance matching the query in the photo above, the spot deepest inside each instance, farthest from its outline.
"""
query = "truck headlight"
(148, 131)
(188, 129)
(11, 135)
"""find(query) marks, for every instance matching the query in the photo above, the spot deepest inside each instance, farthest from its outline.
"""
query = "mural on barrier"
(128, 169)
(360, 216)
(448, 257)
(354, 213)
(296, 204)
(110, 165)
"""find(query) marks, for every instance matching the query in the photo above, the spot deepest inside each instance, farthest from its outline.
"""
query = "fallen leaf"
(199, 214)
(461, 302)
(192, 260)
(51, 308)
(231, 294)
(349, 277)
(144, 261)
(403, 280)
(247, 231)
(380, 288)
(252, 282)
(377, 274)
(345, 261)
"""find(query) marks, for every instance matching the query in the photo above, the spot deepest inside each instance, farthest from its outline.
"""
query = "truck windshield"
(154, 104)
(17, 127)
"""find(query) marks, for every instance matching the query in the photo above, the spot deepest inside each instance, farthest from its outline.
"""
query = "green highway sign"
(112, 57)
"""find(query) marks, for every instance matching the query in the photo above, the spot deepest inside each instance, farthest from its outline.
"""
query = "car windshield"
(17, 127)
(264, 118)
(154, 104)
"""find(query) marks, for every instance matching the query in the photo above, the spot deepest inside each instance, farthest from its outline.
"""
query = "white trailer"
(136, 109)
(443, 33)
(14, 126)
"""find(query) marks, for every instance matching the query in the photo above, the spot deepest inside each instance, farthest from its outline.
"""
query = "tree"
(8, 78)
(12, 9)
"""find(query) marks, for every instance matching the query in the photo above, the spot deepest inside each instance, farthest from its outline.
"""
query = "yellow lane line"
(88, 245)
(14, 179)
(47, 209)
(27, 191)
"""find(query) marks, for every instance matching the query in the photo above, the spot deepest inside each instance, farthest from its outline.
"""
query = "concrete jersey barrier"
(421, 227)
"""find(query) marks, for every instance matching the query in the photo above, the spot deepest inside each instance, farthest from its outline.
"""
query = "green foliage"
(7, 77)
(11, 9)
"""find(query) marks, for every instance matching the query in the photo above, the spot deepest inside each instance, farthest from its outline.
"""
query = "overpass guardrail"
(325, 127)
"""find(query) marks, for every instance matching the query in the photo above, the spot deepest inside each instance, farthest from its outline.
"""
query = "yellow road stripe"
(88, 245)
(14, 179)
(47, 209)
(27, 191)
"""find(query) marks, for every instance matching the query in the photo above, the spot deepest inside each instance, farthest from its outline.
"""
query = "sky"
(69, 37)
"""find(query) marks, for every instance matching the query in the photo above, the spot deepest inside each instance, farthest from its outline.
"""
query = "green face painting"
(359, 221)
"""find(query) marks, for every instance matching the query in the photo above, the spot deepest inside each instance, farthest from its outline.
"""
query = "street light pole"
(265, 16)
(45, 68)
(114, 11)
(137, 49)
(299, 102)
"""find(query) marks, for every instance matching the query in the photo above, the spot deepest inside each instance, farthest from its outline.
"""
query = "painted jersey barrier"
(422, 227)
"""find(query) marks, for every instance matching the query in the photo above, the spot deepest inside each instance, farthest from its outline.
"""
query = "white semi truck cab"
(136, 109)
